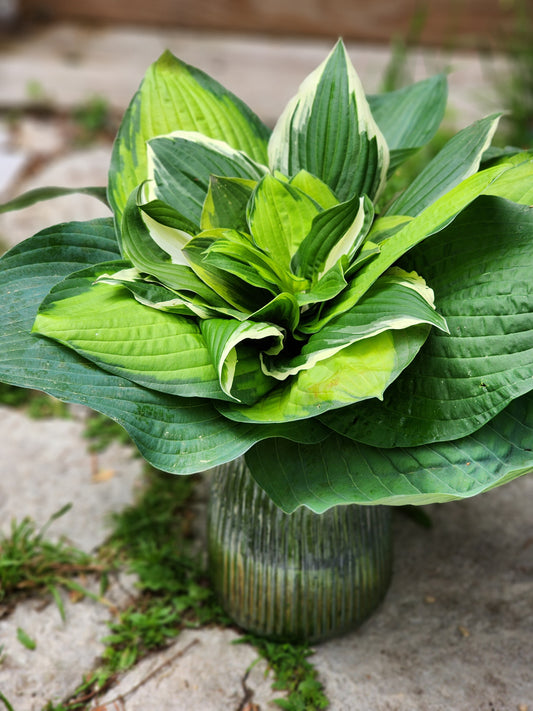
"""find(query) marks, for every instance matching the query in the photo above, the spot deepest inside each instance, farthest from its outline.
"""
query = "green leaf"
(368, 252)
(410, 117)
(102, 322)
(315, 188)
(223, 338)
(57, 514)
(225, 203)
(6, 703)
(157, 296)
(181, 165)
(25, 639)
(355, 358)
(356, 372)
(223, 260)
(458, 160)
(235, 251)
(171, 240)
(283, 310)
(397, 301)
(240, 286)
(279, 217)
(414, 231)
(38, 194)
(167, 216)
(385, 227)
(340, 471)
(327, 287)
(165, 428)
(328, 130)
(494, 155)
(515, 184)
(336, 232)
(480, 268)
(54, 592)
(177, 97)
(139, 246)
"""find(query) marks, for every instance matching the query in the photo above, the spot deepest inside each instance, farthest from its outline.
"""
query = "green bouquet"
(261, 293)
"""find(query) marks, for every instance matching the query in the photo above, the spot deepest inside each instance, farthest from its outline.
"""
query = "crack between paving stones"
(120, 698)
(246, 702)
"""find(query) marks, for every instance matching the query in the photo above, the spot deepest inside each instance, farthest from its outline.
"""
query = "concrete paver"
(204, 669)
(456, 628)
(46, 465)
(65, 650)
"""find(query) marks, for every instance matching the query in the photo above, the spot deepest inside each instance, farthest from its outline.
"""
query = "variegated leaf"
(328, 130)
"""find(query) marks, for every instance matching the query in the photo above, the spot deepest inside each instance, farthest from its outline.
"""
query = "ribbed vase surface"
(294, 577)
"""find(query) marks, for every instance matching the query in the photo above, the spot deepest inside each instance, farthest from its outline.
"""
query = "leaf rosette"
(254, 287)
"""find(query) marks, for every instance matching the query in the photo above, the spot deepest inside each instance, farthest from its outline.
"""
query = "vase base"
(300, 577)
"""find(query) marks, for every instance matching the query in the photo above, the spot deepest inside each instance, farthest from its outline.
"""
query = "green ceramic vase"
(300, 577)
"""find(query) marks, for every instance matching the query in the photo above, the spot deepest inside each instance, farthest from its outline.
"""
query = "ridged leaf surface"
(174, 96)
(480, 268)
(179, 435)
(328, 130)
(340, 471)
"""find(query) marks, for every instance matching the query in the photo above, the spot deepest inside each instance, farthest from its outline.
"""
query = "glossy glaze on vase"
(300, 576)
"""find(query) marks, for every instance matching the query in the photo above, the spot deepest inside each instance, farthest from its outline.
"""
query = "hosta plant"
(263, 293)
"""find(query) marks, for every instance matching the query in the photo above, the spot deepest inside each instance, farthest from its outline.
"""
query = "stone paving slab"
(456, 629)
(46, 465)
(65, 649)
(455, 632)
(204, 670)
